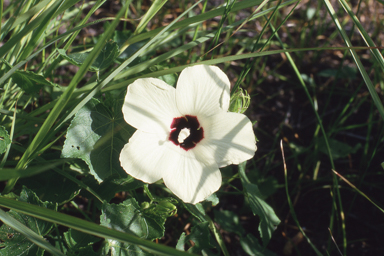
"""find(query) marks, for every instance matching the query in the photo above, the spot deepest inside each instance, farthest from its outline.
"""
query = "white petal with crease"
(203, 90)
(229, 138)
(140, 156)
(191, 180)
(150, 105)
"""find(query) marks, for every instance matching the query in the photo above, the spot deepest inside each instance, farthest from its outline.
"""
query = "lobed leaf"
(128, 217)
(97, 136)
(13, 242)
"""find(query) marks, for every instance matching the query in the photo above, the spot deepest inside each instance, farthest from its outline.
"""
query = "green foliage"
(240, 101)
(252, 247)
(268, 218)
(29, 81)
(4, 139)
(52, 187)
(229, 221)
(79, 243)
(164, 207)
(13, 242)
(129, 217)
(97, 136)
(105, 58)
(325, 102)
(110, 186)
(338, 149)
(201, 238)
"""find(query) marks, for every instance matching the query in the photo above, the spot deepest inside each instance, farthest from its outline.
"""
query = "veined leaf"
(14, 242)
(97, 135)
(128, 217)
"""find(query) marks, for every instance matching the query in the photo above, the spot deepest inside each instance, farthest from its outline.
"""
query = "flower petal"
(188, 178)
(202, 89)
(150, 105)
(149, 157)
(228, 138)
(141, 154)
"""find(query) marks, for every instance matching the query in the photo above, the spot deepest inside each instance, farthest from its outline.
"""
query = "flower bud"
(240, 101)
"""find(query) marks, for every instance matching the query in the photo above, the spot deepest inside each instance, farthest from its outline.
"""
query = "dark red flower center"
(186, 132)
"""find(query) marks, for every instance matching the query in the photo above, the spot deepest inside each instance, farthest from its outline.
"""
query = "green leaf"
(251, 246)
(51, 186)
(128, 217)
(28, 81)
(338, 149)
(4, 140)
(86, 226)
(181, 242)
(268, 186)
(170, 79)
(120, 249)
(164, 207)
(344, 73)
(13, 242)
(105, 58)
(110, 187)
(201, 237)
(196, 210)
(88, 251)
(213, 199)
(268, 218)
(229, 221)
(120, 37)
(79, 242)
(97, 135)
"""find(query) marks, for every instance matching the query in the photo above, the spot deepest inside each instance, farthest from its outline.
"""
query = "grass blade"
(7, 174)
(65, 97)
(29, 234)
(374, 49)
(86, 226)
(155, 7)
(367, 80)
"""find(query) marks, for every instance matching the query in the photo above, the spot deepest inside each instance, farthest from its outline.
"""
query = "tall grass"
(314, 72)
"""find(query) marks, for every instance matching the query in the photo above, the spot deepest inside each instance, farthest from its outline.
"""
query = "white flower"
(185, 135)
